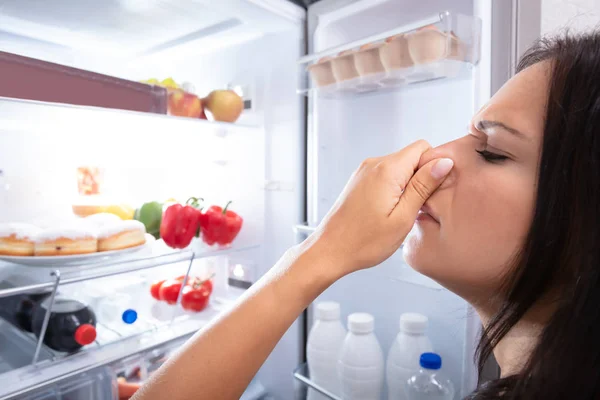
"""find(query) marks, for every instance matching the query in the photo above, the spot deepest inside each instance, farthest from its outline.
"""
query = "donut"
(66, 241)
(121, 235)
(17, 239)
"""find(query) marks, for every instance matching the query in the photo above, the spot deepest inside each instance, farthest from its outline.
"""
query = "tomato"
(180, 279)
(206, 284)
(155, 288)
(169, 291)
(195, 297)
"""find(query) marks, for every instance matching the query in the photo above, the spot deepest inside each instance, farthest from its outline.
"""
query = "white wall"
(575, 14)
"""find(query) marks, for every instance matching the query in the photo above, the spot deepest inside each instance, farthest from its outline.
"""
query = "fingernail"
(442, 168)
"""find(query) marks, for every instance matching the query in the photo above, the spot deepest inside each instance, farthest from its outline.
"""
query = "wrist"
(324, 263)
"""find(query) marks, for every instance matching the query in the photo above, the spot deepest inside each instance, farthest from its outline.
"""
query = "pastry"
(429, 44)
(70, 240)
(121, 235)
(368, 59)
(395, 54)
(17, 239)
(343, 66)
(321, 72)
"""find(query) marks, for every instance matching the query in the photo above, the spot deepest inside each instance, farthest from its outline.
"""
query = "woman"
(512, 213)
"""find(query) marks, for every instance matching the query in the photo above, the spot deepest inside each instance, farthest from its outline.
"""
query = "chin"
(422, 256)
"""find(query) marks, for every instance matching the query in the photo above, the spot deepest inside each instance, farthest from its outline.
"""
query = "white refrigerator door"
(344, 131)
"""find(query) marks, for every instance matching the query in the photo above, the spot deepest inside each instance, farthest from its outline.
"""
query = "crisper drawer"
(129, 374)
(92, 385)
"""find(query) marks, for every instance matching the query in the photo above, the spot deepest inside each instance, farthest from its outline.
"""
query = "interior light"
(238, 271)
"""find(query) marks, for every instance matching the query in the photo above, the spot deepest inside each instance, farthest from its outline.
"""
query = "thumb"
(422, 185)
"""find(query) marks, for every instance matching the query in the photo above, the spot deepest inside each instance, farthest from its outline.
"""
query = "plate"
(76, 260)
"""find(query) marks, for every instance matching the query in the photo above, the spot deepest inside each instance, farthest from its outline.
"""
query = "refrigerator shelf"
(27, 116)
(441, 46)
(17, 348)
(115, 339)
(301, 374)
(70, 275)
(31, 378)
(113, 298)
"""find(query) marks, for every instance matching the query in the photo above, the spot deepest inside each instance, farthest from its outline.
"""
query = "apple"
(192, 106)
(176, 103)
(224, 105)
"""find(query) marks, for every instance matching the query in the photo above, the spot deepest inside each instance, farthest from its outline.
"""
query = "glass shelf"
(301, 374)
(441, 46)
(70, 275)
(33, 116)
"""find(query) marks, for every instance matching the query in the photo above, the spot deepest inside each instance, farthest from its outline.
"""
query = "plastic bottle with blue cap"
(429, 383)
(403, 357)
(120, 308)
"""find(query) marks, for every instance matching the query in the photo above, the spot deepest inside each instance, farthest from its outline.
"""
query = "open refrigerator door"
(105, 110)
(383, 74)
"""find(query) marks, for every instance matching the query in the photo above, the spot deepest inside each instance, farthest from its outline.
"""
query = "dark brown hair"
(562, 252)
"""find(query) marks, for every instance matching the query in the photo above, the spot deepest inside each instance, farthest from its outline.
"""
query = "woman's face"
(473, 225)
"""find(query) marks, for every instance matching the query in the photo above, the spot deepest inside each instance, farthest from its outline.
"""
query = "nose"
(444, 151)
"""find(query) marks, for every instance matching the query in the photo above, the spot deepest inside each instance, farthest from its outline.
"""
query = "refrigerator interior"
(348, 126)
(257, 162)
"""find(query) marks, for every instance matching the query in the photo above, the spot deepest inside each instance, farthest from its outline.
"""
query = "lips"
(427, 211)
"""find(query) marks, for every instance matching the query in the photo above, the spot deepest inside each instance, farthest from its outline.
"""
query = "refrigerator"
(71, 99)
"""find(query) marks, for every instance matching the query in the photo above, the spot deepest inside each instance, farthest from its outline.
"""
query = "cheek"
(485, 219)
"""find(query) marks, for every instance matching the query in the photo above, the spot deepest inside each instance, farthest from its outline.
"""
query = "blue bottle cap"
(430, 361)
(129, 316)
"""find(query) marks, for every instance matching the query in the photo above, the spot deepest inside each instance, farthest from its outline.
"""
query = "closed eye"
(491, 157)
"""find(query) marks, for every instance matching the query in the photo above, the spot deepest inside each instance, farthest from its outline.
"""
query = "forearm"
(220, 360)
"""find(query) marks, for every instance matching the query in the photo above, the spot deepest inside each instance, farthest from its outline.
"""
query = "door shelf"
(301, 374)
(438, 47)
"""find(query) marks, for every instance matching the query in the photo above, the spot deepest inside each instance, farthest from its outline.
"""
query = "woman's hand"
(367, 224)
(377, 208)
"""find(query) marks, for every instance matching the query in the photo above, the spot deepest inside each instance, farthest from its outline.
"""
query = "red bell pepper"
(220, 225)
(181, 223)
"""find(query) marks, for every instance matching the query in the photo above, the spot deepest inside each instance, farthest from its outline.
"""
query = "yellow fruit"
(225, 105)
(169, 83)
(122, 211)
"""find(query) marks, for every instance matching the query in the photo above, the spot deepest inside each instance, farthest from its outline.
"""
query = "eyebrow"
(486, 125)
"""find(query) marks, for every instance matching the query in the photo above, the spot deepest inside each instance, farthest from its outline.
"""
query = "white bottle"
(323, 349)
(404, 355)
(429, 383)
(361, 363)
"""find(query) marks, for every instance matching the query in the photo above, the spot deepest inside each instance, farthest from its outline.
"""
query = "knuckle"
(419, 188)
(367, 163)
(382, 167)
(423, 142)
